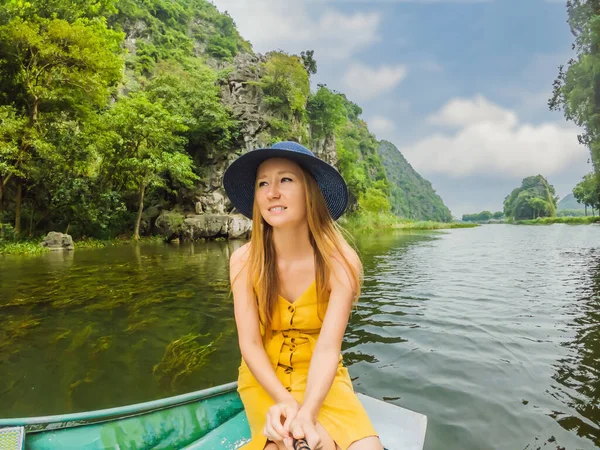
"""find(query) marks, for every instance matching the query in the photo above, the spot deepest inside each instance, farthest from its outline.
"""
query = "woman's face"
(280, 192)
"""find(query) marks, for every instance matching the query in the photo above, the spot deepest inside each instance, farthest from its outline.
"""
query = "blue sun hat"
(240, 177)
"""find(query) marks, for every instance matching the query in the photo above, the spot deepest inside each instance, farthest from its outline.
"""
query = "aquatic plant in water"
(185, 355)
(12, 332)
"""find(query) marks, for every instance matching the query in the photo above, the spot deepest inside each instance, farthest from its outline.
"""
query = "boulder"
(239, 226)
(211, 203)
(204, 226)
(170, 224)
(58, 241)
(210, 226)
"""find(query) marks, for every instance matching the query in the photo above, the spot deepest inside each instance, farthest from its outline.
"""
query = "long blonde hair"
(326, 238)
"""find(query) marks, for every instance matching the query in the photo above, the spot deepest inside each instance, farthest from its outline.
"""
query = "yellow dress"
(296, 327)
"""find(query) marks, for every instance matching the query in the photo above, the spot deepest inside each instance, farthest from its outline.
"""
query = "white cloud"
(380, 124)
(460, 112)
(287, 25)
(491, 141)
(366, 82)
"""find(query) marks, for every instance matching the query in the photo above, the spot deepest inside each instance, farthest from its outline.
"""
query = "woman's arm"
(324, 362)
(250, 340)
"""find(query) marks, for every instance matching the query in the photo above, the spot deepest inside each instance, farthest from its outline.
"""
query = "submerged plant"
(185, 355)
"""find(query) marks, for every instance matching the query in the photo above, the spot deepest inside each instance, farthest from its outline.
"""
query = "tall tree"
(577, 87)
(146, 147)
(309, 62)
(586, 192)
(534, 198)
(50, 70)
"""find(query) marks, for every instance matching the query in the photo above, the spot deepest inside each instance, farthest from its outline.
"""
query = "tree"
(189, 90)
(69, 10)
(325, 111)
(577, 89)
(538, 205)
(285, 85)
(535, 198)
(586, 192)
(50, 71)
(310, 64)
(146, 147)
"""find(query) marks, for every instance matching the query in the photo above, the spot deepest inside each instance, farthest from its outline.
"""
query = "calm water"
(493, 332)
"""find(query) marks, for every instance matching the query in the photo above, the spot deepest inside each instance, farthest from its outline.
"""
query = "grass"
(550, 220)
(32, 246)
(372, 221)
(430, 225)
(21, 248)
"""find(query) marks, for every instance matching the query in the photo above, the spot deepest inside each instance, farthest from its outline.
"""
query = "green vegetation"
(412, 196)
(111, 106)
(326, 112)
(185, 355)
(535, 198)
(285, 87)
(577, 88)
(552, 220)
(483, 216)
(360, 163)
(570, 213)
(70, 159)
(29, 246)
(431, 225)
(587, 193)
(368, 222)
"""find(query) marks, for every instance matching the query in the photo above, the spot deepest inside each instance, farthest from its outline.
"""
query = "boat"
(211, 418)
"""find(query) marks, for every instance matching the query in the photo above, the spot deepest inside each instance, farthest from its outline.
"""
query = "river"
(492, 332)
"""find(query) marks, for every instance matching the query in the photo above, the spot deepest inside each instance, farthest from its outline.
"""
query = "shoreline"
(589, 220)
(354, 225)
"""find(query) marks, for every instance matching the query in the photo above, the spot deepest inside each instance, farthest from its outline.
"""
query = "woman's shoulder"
(346, 255)
(239, 257)
(346, 267)
(240, 252)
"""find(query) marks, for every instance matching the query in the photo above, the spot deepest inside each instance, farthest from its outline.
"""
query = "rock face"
(326, 149)
(207, 212)
(174, 225)
(58, 241)
(244, 99)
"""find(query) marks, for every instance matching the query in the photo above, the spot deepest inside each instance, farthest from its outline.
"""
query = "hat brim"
(240, 178)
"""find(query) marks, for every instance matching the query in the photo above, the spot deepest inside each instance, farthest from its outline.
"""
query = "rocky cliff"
(206, 211)
(180, 68)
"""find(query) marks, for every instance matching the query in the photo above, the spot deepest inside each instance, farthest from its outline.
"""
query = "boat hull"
(209, 419)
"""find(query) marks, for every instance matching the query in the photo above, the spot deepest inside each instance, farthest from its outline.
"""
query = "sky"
(461, 87)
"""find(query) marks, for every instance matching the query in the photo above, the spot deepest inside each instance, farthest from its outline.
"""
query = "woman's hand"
(304, 425)
(279, 417)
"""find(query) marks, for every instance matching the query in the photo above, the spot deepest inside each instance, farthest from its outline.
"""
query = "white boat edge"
(399, 428)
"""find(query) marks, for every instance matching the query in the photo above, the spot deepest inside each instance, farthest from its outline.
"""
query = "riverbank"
(353, 223)
(551, 220)
(33, 247)
(360, 223)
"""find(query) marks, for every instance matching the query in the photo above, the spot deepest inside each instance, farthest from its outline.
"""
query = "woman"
(294, 285)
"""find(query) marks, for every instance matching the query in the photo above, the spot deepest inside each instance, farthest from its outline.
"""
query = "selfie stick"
(301, 444)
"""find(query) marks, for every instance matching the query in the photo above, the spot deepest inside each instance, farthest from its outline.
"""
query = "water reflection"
(114, 326)
(578, 374)
(493, 333)
(380, 314)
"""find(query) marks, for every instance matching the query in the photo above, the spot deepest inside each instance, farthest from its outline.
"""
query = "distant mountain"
(412, 197)
(569, 202)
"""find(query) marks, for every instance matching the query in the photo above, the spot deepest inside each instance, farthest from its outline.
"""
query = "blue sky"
(460, 87)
